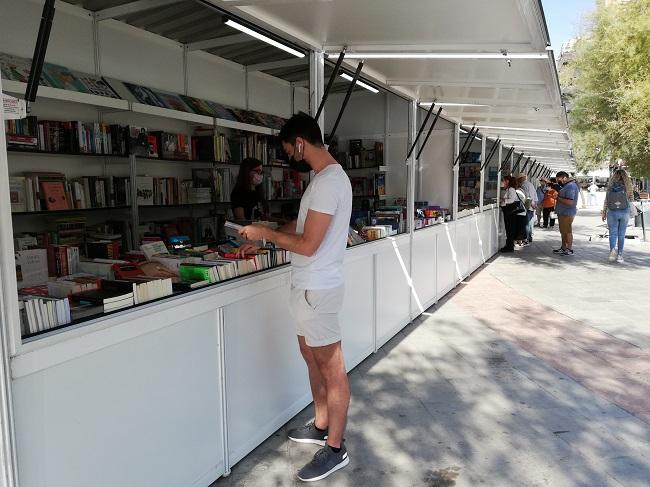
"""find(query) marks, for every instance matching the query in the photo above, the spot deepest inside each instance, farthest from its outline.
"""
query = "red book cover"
(152, 141)
(54, 195)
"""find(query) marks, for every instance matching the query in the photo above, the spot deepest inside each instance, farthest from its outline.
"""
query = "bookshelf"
(154, 195)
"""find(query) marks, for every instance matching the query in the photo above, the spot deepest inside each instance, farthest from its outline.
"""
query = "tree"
(609, 88)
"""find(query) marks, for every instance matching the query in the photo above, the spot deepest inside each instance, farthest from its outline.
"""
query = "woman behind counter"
(247, 197)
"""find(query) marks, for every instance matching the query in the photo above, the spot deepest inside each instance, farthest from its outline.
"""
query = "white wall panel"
(266, 377)
(462, 245)
(130, 54)
(269, 95)
(212, 78)
(447, 272)
(424, 268)
(393, 291)
(148, 409)
(477, 233)
(71, 39)
(357, 315)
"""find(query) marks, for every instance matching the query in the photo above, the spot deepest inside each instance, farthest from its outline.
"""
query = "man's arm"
(289, 227)
(307, 243)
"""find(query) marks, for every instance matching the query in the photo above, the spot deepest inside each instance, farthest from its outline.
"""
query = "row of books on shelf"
(369, 186)
(282, 184)
(77, 137)
(52, 191)
(90, 287)
(17, 68)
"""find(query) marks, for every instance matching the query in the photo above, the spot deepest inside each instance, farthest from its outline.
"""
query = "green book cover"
(190, 272)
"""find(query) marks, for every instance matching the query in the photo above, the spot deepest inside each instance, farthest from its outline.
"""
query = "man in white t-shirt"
(317, 240)
(593, 194)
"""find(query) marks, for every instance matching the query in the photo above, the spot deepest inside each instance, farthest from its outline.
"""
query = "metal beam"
(493, 102)
(285, 63)
(219, 42)
(131, 8)
(512, 48)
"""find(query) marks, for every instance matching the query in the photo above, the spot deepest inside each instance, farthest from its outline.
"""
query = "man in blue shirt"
(566, 208)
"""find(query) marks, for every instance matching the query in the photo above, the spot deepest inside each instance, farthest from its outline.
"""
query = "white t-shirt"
(328, 192)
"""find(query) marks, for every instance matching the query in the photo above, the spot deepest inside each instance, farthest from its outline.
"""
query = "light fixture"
(442, 104)
(262, 37)
(443, 55)
(360, 83)
(521, 129)
(546, 149)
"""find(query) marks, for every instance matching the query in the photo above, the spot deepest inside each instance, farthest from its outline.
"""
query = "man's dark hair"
(562, 174)
(304, 126)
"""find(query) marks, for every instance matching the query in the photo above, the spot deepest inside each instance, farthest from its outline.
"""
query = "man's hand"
(603, 215)
(246, 249)
(255, 232)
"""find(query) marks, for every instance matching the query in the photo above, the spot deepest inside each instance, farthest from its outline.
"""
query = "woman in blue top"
(616, 211)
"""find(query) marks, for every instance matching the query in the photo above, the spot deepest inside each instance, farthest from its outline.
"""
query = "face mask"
(257, 179)
(299, 165)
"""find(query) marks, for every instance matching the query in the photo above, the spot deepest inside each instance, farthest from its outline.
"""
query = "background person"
(566, 208)
(616, 211)
(514, 212)
(530, 194)
(541, 189)
(247, 197)
(317, 240)
(593, 194)
(548, 204)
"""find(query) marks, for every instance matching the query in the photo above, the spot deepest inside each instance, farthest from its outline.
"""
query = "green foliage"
(609, 87)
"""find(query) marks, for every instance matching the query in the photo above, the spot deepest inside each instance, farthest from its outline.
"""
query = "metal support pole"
(426, 139)
(330, 83)
(347, 98)
(469, 146)
(516, 165)
(454, 203)
(135, 217)
(523, 169)
(481, 192)
(316, 76)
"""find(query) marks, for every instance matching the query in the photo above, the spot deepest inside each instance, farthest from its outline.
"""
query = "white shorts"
(317, 314)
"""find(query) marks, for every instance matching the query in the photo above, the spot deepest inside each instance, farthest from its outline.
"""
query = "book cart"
(177, 391)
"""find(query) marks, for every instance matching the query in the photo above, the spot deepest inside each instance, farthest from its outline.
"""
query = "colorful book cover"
(138, 141)
(200, 107)
(54, 195)
(152, 144)
(16, 68)
(173, 102)
(222, 112)
(95, 85)
(17, 194)
(144, 95)
(62, 78)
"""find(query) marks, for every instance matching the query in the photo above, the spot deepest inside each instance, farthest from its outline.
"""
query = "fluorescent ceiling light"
(262, 37)
(549, 131)
(544, 149)
(539, 141)
(444, 55)
(442, 104)
(360, 83)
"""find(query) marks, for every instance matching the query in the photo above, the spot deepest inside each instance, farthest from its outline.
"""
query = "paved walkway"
(533, 372)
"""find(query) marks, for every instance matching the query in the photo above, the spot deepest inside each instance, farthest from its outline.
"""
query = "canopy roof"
(488, 64)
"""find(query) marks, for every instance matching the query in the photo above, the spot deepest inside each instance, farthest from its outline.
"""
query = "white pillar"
(454, 205)
(316, 84)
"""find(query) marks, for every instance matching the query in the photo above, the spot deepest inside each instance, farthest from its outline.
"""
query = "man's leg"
(569, 235)
(317, 384)
(331, 366)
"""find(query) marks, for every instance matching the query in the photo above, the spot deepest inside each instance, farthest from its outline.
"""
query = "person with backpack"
(616, 211)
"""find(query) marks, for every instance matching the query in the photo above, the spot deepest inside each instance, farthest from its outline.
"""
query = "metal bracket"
(503, 163)
(426, 139)
(462, 150)
(523, 169)
(417, 137)
(39, 50)
(330, 83)
(515, 166)
(470, 139)
(493, 151)
(355, 78)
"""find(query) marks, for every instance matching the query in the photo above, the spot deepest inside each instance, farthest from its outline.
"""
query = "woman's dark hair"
(304, 126)
(243, 182)
(513, 182)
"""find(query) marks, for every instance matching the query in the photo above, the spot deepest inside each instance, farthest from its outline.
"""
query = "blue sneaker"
(325, 462)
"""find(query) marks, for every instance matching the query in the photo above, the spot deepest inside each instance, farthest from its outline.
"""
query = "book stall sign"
(13, 108)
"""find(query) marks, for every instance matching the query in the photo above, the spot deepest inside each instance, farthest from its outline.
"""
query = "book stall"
(135, 335)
